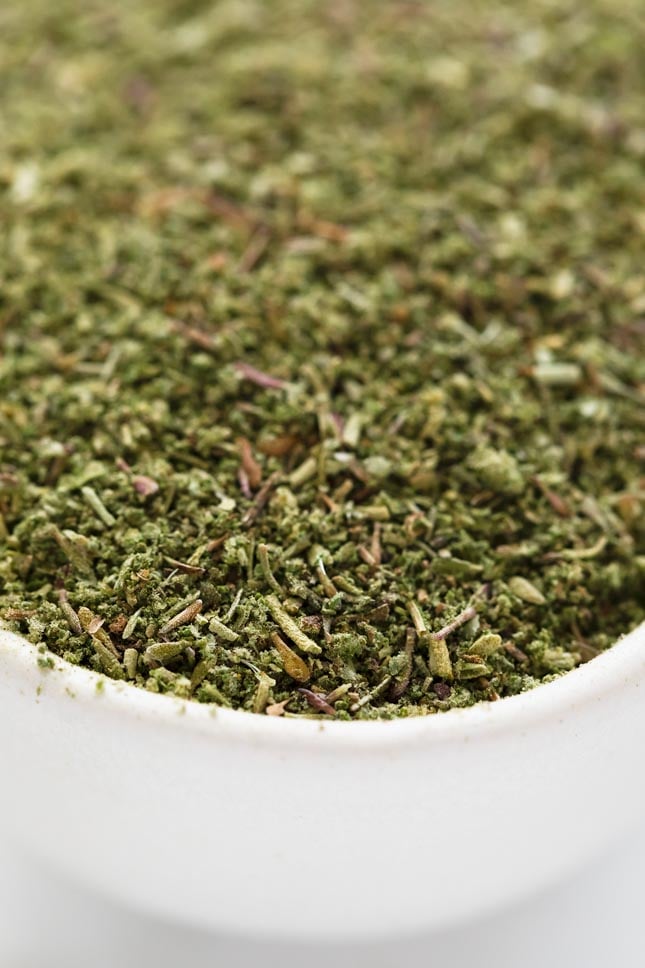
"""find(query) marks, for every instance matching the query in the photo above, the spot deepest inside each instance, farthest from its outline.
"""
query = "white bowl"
(312, 829)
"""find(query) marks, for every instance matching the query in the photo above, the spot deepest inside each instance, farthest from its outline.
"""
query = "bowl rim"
(623, 664)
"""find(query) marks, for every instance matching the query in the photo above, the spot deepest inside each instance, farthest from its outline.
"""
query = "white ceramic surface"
(319, 829)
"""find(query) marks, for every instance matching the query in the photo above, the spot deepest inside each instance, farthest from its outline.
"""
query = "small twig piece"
(199, 337)
(317, 702)
(254, 250)
(234, 605)
(578, 554)
(264, 380)
(261, 499)
(440, 662)
(185, 567)
(459, 620)
(558, 504)
(403, 683)
(250, 466)
(325, 581)
(265, 566)
(374, 694)
(375, 546)
(367, 556)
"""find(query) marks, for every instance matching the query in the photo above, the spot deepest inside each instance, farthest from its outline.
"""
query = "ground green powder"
(321, 344)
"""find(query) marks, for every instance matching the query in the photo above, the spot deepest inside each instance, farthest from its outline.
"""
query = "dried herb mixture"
(322, 334)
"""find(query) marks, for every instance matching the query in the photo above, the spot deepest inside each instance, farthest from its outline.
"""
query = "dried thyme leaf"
(306, 373)
(110, 664)
(294, 666)
(290, 628)
(71, 616)
(526, 590)
(184, 617)
(486, 644)
(163, 652)
(96, 504)
(222, 631)
(130, 663)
